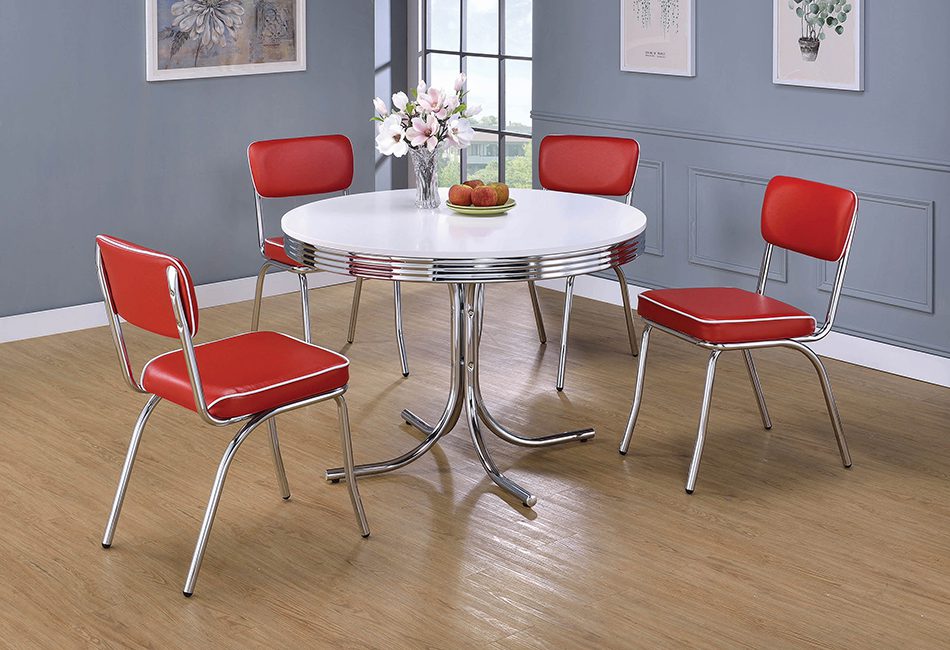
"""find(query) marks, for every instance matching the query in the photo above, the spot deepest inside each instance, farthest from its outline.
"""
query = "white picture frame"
(658, 37)
(157, 59)
(836, 62)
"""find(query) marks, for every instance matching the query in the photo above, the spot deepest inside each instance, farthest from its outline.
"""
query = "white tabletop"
(388, 223)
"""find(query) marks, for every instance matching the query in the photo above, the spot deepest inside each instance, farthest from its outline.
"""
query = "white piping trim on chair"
(734, 320)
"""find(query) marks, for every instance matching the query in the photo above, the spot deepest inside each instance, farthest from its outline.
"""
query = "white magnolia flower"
(460, 82)
(212, 21)
(391, 138)
(400, 100)
(424, 132)
(380, 107)
(460, 132)
(421, 88)
(431, 101)
(472, 111)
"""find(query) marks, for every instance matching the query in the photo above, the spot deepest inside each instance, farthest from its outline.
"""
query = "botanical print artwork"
(199, 38)
(818, 43)
(657, 36)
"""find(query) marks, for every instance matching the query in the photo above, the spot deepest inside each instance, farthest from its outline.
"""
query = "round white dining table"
(382, 235)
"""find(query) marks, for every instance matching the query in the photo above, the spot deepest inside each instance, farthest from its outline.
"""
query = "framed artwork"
(658, 36)
(187, 39)
(818, 43)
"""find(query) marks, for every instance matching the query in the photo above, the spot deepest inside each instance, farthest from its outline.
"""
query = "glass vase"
(424, 162)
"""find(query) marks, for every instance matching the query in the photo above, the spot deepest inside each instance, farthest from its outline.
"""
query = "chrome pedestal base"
(468, 304)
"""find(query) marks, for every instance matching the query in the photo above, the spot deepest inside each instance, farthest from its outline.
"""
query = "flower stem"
(197, 52)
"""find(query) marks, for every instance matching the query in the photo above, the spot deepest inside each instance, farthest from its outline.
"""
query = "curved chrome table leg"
(489, 420)
(491, 469)
(467, 312)
(448, 420)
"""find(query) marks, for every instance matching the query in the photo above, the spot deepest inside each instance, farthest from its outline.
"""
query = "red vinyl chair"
(587, 165)
(249, 378)
(296, 167)
(801, 216)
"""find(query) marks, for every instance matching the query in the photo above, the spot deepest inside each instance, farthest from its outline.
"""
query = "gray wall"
(710, 143)
(88, 146)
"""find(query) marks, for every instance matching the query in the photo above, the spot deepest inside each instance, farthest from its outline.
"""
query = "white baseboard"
(843, 347)
(79, 317)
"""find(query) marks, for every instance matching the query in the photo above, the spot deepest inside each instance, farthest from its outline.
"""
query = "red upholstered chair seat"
(249, 373)
(724, 314)
(274, 250)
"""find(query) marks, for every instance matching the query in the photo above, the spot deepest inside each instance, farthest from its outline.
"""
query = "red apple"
(484, 196)
(460, 195)
(502, 191)
(474, 183)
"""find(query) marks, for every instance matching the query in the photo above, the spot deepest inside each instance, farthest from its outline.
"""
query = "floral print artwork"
(208, 33)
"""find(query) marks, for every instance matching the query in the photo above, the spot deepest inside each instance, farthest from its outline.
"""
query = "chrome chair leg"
(355, 309)
(348, 470)
(638, 392)
(536, 306)
(627, 311)
(305, 305)
(757, 387)
(565, 326)
(216, 488)
(278, 460)
(401, 342)
(127, 469)
(829, 402)
(258, 294)
(703, 422)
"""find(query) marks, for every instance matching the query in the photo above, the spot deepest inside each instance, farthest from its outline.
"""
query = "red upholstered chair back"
(808, 217)
(137, 286)
(300, 166)
(586, 164)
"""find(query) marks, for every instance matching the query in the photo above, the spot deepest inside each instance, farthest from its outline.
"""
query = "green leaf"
(840, 29)
(376, 119)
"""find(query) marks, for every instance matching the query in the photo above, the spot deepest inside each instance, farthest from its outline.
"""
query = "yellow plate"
(475, 211)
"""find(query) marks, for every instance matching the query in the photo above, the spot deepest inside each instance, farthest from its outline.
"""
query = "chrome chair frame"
(716, 349)
(569, 300)
(302, 272)
(252, 422)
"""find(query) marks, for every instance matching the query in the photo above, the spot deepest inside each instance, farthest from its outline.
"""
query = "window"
(490, 41)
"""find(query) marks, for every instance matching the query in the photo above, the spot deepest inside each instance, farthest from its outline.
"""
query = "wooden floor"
(779, 546)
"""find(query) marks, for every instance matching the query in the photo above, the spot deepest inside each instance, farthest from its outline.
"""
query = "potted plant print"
(817, 16)
(420, 127)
